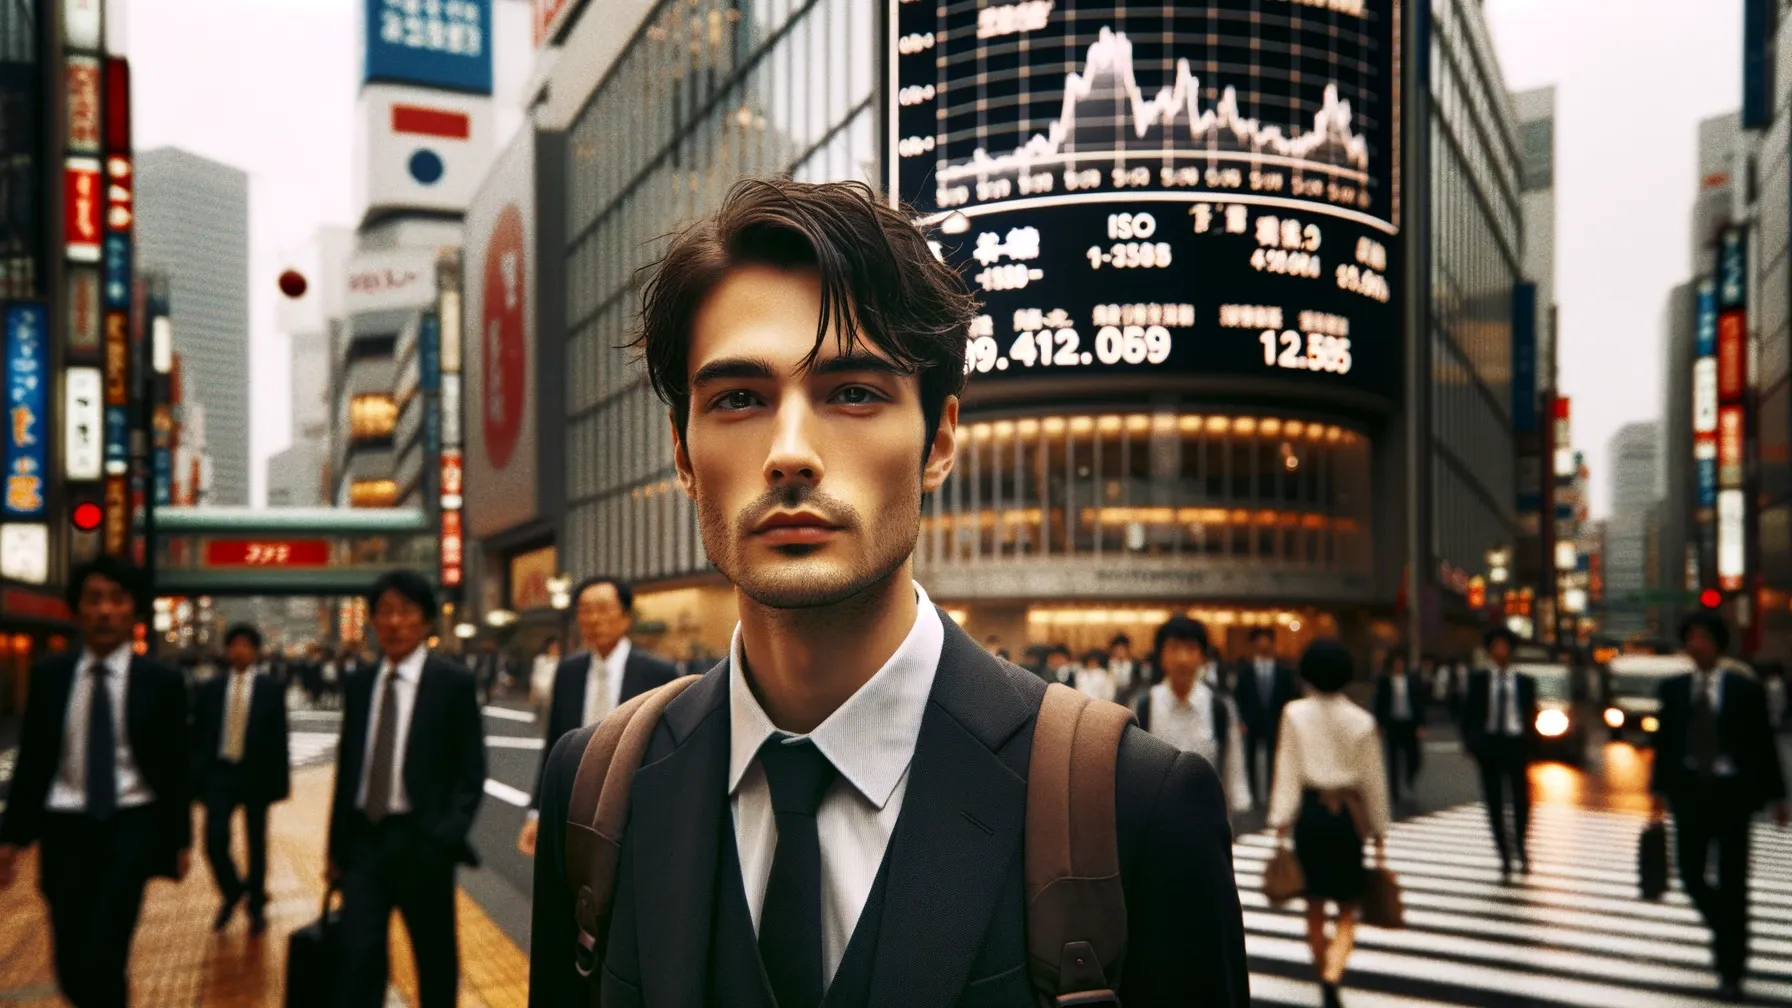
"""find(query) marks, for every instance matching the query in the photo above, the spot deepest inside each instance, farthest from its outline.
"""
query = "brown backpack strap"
(598, 812)
(1076, 905)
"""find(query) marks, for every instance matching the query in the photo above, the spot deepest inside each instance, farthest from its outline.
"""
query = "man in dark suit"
(1399, 706)
(410, 772)
(1716, 765)
(610, 673)
(102, 785)
(240, 759)
(840, 808)
(1264, 685)
(1499, 729)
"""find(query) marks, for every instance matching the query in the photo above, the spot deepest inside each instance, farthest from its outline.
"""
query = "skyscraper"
(1635, 456)
(193, 226)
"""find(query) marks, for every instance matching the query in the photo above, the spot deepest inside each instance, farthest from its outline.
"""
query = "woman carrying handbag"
(1330, 793)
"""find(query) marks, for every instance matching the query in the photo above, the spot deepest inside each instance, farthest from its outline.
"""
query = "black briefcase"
(1652, 861)
(311, 960)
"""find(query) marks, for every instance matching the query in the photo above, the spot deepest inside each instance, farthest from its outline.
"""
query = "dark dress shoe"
(258, 922)
(1731, 991)
(225, 912)
(1329, 993)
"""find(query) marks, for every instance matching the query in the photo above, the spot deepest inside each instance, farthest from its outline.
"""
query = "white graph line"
(1110, 56)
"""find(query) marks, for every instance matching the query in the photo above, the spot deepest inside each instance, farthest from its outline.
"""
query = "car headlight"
(1614, 718)
(1552, 723)
(1651, 724)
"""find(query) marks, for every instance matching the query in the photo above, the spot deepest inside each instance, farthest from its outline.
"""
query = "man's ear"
(944, 450)
(681, 459)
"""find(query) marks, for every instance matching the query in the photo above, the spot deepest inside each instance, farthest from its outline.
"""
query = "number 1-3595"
(1319, 353)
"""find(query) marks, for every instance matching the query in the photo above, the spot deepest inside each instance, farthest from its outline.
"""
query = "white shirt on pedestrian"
(68, 792)
(1328, 743)
(409, 673)
(1188, 724)
(1502, 703)
(1097, 683)
(1122, 671)
(1402, 706)
(870, 740)
(238, 694)
(603, 681)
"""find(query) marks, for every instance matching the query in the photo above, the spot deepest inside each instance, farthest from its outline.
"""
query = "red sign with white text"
(267, 553)
(1729, 446)
(1732, 357)
(81, 208)
(451, 548)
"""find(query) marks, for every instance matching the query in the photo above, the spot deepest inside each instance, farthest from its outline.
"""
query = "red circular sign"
(87, 516)
(292, 284)
(503, 370)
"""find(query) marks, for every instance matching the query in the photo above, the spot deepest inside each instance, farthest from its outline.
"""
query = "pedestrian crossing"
(306, 748)
(1573, 932)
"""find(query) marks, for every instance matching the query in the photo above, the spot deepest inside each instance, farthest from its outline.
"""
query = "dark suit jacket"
(444, 761)
(1741, 723)
(566, 713)
(1474, 711)
(1261, 714)
(155, 723)
(266, 763)
(953, 928)
(1417, 694)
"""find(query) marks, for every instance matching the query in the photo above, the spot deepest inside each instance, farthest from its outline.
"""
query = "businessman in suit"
(1716, 765)
(1399, 706)
(838, 810)
(240, 760)
(611, 672)
(1499, 729)
(1263, 686)
(102, 785)
(410, 771)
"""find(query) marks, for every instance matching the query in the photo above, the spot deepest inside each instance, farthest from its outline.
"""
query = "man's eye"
(738, 399)
(857, 395)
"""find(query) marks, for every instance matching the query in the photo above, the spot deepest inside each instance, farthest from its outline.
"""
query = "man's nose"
(793, 457)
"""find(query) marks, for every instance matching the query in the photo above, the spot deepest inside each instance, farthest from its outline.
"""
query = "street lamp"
(560, 597)
(465, 631)
(500, 618)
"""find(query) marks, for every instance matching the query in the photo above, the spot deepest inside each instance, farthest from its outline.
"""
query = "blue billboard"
(1707, 482)
(1705, 333)
(1524, 357)
(430, 43)
(27, 410)
(118, 271)
(118, 439)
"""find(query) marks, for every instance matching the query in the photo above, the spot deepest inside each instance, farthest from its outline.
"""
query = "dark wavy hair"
(881, 284)
(1327, 666)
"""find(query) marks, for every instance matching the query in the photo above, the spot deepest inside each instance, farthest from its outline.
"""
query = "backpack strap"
(598, 812)
(1076, 904)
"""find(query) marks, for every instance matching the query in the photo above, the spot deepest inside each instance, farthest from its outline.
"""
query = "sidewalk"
(177, 960)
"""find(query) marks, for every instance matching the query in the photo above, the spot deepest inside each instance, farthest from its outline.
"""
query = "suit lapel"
(138, 693)
(678, 807)
(570, 703)
(961, 824)
(422, 711)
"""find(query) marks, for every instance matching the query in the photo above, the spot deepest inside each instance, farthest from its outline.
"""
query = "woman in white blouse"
(1330, 792)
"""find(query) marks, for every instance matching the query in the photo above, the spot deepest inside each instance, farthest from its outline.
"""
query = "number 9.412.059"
(1063, 348)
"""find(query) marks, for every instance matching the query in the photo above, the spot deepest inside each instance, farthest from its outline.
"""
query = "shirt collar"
(411, 668)
(617, 659)
(870, 739)
(118, 660)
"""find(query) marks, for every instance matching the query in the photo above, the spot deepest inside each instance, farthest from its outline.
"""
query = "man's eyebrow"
(732, 367)
(856, 362)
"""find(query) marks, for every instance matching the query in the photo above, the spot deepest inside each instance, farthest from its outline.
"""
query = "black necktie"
(1702, 744)
(790, 920)
(385, 742)
(102, 748)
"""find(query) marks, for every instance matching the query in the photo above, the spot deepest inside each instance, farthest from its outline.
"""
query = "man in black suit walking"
(1499, 729)
(1264, 685)
(102, 785)
(410, 772)
(1399, 706)
(610, 673)
(1716, 765)
(839, 809)
(240, 759)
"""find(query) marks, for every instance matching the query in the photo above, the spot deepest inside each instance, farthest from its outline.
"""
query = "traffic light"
(87, 516)
(1711, 598)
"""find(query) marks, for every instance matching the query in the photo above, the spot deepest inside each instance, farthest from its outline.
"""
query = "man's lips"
(797, 527)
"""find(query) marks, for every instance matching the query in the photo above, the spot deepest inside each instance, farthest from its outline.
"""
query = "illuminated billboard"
(1194, 189)
(434, 43)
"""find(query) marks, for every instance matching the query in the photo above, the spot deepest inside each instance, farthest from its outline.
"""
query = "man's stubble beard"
(802, 581)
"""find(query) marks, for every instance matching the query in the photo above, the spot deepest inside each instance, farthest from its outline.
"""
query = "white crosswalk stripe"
(1574, 932)
(305, 748)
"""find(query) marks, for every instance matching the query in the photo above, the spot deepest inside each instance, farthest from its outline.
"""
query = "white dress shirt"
(1328, 742)
(1402, 706)
(605, 671)
(870, 739)
(1712, 683)
(1096, 682)
(409, 672)
(239, 689)
(1504, 720)
(68, 793)
(1266, 679)
(1122, 671)
(1188, 725)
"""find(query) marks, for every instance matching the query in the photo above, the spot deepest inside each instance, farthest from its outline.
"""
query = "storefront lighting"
(500, 618)
(1270, 427)
(1138, 423)
(1052, 425)
(1244, 425)
(465, 631)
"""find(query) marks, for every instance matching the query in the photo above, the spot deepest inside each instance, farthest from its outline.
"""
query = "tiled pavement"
(177, 960)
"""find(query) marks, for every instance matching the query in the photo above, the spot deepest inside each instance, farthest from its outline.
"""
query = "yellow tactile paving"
(176, 959)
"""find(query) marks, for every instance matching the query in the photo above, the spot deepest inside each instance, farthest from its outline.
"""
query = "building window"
(373, 493)
(372, 416)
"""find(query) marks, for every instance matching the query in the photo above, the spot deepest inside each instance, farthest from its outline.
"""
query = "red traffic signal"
(1710, 598)
(87, 516)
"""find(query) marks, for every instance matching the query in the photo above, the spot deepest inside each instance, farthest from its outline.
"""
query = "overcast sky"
(1633, 78)
(269, 85)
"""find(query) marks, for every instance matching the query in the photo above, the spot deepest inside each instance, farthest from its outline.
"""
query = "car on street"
(1561, 723)
(1632, 694)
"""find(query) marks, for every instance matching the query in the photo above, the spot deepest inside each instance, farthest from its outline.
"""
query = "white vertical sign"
(1704, 395)
(1730, 533)
(81, 24)
(83, 447)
